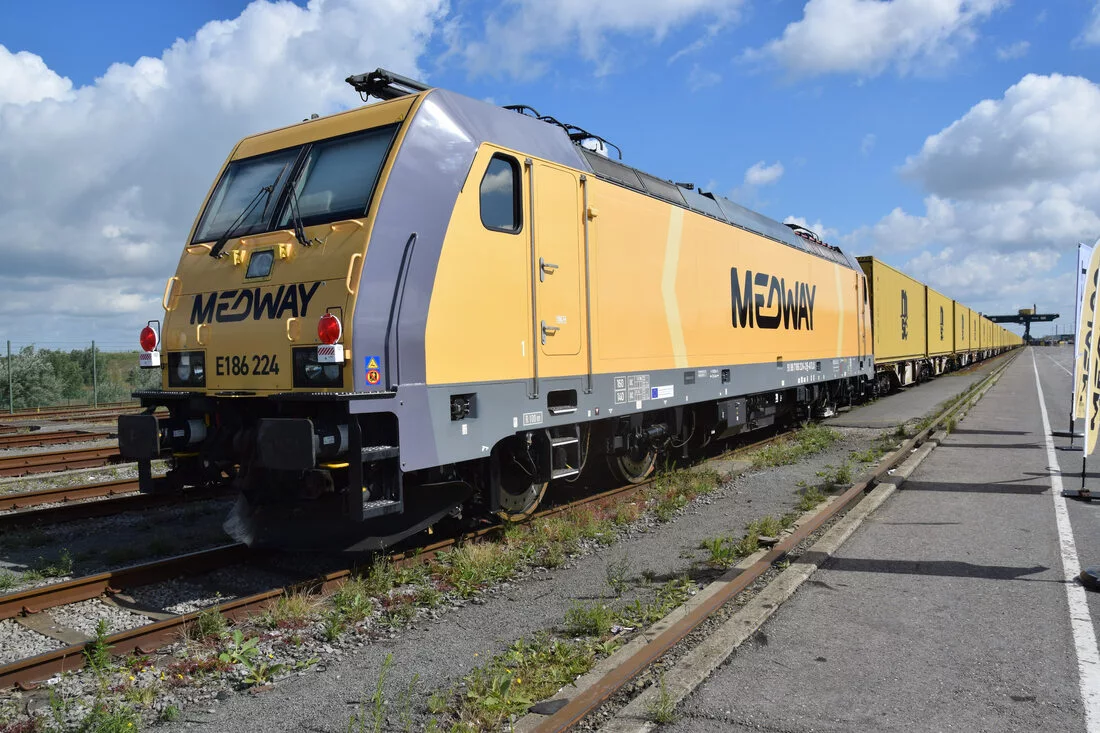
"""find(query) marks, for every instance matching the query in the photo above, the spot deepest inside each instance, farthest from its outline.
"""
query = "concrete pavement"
(949, 609)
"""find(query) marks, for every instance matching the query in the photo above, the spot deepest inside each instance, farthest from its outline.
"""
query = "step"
(561, 410)
(563, 473)
(379, 507)
(559, 442)
(380, 452)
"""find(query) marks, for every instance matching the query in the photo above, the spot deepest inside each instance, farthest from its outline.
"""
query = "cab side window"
(501, 202)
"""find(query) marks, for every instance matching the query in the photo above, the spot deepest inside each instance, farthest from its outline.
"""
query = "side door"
(558, 268)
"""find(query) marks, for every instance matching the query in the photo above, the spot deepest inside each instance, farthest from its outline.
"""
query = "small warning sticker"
(373, 376)
(373, 362)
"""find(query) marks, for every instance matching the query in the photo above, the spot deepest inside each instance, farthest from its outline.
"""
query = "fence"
(36, 376)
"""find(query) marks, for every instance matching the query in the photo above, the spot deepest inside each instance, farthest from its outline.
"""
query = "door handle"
(548, 330)
(544, 268)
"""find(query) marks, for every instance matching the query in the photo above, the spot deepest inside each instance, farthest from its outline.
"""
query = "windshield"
(338, 176)
(334, 181)
(242, 183)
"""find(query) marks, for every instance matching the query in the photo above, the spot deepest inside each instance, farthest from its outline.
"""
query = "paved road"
(949, 609)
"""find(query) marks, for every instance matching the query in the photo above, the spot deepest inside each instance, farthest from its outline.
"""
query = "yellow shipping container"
(897, 302)
(941, 323)
(975, 331)
(962, 328)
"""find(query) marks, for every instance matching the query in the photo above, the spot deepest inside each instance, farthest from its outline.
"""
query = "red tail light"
(148, 339)
(329, 329)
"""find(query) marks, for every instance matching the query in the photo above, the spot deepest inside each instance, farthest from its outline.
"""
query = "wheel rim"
(517, 505)
(633, 467)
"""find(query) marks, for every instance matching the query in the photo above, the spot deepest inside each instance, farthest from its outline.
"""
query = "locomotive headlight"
(187, 369)
(183, 368)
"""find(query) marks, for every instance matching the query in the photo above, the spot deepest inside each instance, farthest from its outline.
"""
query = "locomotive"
(429, 303)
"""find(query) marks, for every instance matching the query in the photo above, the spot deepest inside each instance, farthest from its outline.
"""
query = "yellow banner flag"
(1085, 341)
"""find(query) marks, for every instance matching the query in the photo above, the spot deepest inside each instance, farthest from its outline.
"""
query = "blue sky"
(955, 139)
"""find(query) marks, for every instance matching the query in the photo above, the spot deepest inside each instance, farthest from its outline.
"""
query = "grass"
(589, 620)
(288, 612)
(209, 624)
(616, 574)
(810, 497)
(662, 708)
(808, 441)
(8, 580)
(529, 670)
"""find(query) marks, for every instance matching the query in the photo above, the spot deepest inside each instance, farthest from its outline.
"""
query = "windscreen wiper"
(296, 218)
(216, 250)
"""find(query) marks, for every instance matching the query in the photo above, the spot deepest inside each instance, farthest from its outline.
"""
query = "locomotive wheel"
(515, 483)
(634, 466)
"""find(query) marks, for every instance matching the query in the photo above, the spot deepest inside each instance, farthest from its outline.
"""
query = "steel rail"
(33, 411)
(114, 504)
(35, 439)
(28, 463)
(27, 499)
(26, 673)
(591, 698)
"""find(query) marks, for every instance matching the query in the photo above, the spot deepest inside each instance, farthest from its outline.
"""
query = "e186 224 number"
(242, 364)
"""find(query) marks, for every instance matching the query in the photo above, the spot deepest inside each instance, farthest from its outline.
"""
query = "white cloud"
(1013, 51)
(826, 233)
(518, 40)
(867, 144)
(762, 175)
(867, 37)
(24, 77)
(1011, 187)
(1091, 34)
(700, 78)
(110, 175)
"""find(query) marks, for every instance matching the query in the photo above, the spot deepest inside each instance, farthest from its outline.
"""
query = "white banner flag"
(1084, 254)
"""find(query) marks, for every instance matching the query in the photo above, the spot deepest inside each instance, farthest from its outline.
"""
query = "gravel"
(18, 642)
(85, 615)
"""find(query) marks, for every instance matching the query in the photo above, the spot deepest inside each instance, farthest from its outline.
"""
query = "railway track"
(88, 502)
(144, 639)
(28, 463)
(71, 409)
(36, 439)
(27, 673)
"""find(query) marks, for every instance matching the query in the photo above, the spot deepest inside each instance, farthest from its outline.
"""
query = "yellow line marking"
(668, 287)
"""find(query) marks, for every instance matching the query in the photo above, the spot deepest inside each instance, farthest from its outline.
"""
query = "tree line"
(47, 377)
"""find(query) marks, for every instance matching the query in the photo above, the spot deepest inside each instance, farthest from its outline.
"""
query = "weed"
(554, 556)
(508, 684)
(437, 701)
(210, 624)
(661, 709)
(398, 616)
(668, 507)
(811, 497)
(428, 596)
(950, 424)
(617, 572)
(240, 650)
(870, 455)
(353, 601)
(113, 718)
(404, 702)
(381, 578)
(585, 620)
(472, 566)
(787, 520)
(627, 513)
(833, 476)
(808, 441)
(143, 695)
(8, 580)
(171, 714)
(378, 703)
(98, 651)
(61, 566)
(288, 612)
(260, 673)
(767, 526)
(721, 552)
(334, 625)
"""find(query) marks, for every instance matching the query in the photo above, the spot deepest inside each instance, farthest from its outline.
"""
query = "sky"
(957, 140)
